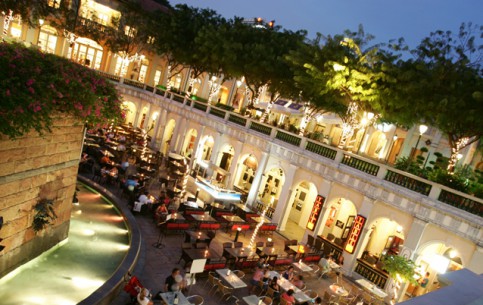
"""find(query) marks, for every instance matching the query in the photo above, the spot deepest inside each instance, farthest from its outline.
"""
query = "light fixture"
(422, 128)
(41, 22)
(459, 156)
(394, 138)
(452, 254)
(269, 239)
(399, 229)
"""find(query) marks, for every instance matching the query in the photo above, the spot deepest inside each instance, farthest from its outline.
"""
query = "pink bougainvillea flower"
(30, 82)
(7, 93)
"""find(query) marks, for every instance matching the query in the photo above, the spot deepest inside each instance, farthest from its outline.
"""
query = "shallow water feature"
(98, 241)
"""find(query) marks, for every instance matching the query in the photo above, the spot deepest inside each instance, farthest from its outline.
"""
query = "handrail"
(237, 119)
(370, 273)
(288, 138)
(359, 164)
(460, 202)
(408, 182)
(267, 130)
(321, 150)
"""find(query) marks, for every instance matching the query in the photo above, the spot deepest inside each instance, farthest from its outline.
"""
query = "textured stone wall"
(31, 168)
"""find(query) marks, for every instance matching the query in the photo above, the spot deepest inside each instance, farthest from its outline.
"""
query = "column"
(138, 113)
(216, 147)
(324, 190)
(181, 136)
(148, 118)
(235, 163)
(252, 194)
(162, 125)
(408, 142)
(281, 213)
(161, 117)
(174, 136)
(197, 148)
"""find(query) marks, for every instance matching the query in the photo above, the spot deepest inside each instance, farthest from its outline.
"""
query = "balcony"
(419, 189)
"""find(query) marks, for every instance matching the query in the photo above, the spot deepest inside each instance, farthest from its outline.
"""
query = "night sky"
(385, 19)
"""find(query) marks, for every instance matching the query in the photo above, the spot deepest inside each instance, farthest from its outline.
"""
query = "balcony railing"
(321, 150)
(288, 138)
(364, 166)
(179, 98)
(370, 273)
(330, 248)
(461, 201)
(217, 112)
(408, 182)
(266, 130)
(237, 120)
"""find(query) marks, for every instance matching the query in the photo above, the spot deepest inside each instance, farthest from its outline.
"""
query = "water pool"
(68, 273)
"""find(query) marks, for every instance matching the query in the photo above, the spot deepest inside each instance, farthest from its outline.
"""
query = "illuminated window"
(16, 29)
(142, 73)
(129, 31)
(48, 40)
(54, 3)
(157, 77)
(151, 40)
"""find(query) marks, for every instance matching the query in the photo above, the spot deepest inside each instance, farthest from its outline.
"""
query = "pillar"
(235, 163)
(257, 179)
(180, 136)
(148, 117)
(281, 213)
(161, 117)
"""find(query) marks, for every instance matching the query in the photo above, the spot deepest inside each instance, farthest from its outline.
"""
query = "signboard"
(316, 209)
(355, 234)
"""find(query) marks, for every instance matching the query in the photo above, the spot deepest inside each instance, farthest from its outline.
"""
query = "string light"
(460, 144)
(257, 228)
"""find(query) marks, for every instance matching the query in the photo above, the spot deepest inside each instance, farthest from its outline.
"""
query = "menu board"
(316, 209)
(355, 233)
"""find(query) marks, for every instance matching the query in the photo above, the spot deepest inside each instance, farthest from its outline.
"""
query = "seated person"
(298, 281)
(133, 286)
(274, 285)
(131, 183)
(174, 282)
(324, 265)
(288, 296)
(160, 213)
(144, 199)
(105, 160)
(288, 274)
(143, 297)
(257, 277)
(318, 301)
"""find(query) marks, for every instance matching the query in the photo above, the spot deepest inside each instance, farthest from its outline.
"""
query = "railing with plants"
(237, 119)
(408, 182)
(460, 202)
(267, 130)
(178, 98)
(288, 138)
(321, 150)
(371, 274)
(200, 106)
(217, 112)
(466, 203)
(364, 166)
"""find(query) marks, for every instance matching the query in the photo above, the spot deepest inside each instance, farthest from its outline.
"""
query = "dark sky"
(385, 19)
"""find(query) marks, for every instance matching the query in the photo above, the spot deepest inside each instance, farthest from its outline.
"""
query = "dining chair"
(266, 299)
(260, 244)
(312, 294)
(212, 280)
(284, 302)
(227, 245)
(270, 292)
(238, 244)
(237, 300)
(315, 269)
(186, 245)
(260, 285)
(196, 299)
(310, 241)
(225, 291)
(201, 245)
(239, 273)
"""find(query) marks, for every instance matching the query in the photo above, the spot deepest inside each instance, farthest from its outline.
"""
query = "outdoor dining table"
(190, 255)
(196, 235)
(253, 300)
(177, 217)
(338, 290)
(285, 284)
(191, 204)
(203, 217)
(168, 298)
(238, 253)
(302, 266)
(269, 251)
(257, 219)
(231, 278)
(372, 288)
(233, 218)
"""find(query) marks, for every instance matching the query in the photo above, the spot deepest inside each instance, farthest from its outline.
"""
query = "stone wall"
(31, 168)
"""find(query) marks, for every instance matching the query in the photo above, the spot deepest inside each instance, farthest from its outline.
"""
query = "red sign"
(355, 233)
(314, 215)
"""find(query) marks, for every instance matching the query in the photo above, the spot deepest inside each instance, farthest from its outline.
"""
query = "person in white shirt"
(143, 297)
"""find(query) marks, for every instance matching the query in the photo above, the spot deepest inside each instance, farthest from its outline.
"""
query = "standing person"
(423, 284)
(257, 277)
(276, 287)
(174, 282)
(324, 266)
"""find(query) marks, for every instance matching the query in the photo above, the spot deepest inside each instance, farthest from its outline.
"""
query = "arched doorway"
(222, 168)
(152, 123)
(339, 219)
(48, 39)
(129, 109)
(144, 120)
(434, 258)
(87, 52)
(246, 173)
(189, 143)
(207, 148)
(270, 189)
(376, 144)
(301, 203)
(203, 156)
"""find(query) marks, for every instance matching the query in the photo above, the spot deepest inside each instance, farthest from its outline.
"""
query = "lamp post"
(422, 130)
(41, 23)
(238, 230)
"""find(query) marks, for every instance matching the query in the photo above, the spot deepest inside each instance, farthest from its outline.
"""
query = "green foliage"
(452, 180)
(44, 214)
(35, 87)
(400, 267)
(30, 10)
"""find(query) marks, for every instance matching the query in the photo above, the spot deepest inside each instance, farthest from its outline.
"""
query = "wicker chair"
(196, 299)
